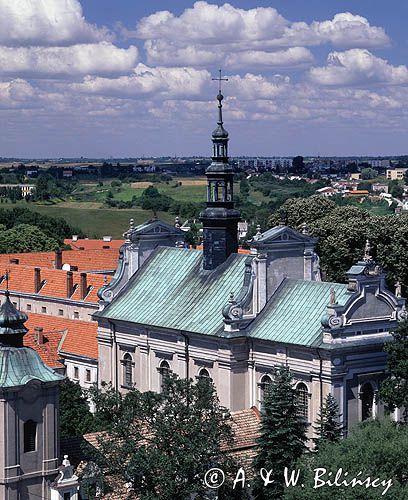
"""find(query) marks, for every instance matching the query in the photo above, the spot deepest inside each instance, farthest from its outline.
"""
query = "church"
(232, 317)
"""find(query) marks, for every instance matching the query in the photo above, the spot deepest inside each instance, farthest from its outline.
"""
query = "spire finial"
(7, 281)
(220, 79)
(220, 97)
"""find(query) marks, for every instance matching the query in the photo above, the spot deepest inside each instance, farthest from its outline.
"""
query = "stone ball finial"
(305, 229)
(367, 251)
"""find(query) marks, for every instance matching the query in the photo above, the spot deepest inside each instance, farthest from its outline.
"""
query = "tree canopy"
(282, 434)
(75, 416)
(26, 238)
(342, 232)
(394, 389)
(163, 444)
(375, 449)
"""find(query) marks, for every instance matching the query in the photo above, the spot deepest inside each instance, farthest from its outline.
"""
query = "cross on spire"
(220, 79)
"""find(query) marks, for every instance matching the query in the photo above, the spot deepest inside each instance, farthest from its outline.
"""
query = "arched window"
(264, 386)
(367, 401)
(30, 435)
(204, 373)
(127, 370)
(164, 370)
(303, 400)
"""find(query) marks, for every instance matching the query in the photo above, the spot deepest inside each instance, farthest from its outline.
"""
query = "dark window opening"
(367, 401)
(264, 386)
(303, 400)
(30, 434)
(165, 372)
(127, 370)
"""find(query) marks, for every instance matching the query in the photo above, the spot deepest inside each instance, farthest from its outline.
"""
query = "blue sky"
(133, 78)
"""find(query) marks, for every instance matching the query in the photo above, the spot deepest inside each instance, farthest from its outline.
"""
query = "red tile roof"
(63, 335)
(85, 260)
(85, 244)
(245, 425)
(48, 349)
(21, 279)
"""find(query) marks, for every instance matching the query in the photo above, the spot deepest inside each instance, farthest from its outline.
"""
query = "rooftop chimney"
(14, 261)
(107, 238)
(74, 237)
(70, 284)
(37, 279)
(83, 286)
(58, 259)
(39, 335)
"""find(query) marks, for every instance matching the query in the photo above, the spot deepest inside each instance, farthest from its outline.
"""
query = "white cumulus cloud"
(46, 22)
(81, 59)
(358, 67)
(289, 58)
(175, 82)
(207, 33)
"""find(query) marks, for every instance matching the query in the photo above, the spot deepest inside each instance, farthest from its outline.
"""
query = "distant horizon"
(80, 159)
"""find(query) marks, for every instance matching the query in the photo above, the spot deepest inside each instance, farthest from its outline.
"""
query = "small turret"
(12, 329)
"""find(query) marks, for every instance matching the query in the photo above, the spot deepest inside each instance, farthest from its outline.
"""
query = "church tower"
(220, 218)
(28, 413)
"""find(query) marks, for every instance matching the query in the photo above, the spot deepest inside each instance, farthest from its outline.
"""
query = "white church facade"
(234, 317)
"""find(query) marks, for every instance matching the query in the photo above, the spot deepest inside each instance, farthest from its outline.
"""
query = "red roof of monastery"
(53, 282)
(86, 244)
(61, 334)
(85, 260)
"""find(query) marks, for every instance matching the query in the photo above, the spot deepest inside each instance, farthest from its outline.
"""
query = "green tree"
(192, 236)
(394, 389)
(45, 187)
(396, 189)
(164, 443)
(298, 165)
(376, 449)
(342, 232)
(26, 238)
(328, 428)
(151, 199)
(368, 173)
(75, 416)
(296, 211)
(282, 435)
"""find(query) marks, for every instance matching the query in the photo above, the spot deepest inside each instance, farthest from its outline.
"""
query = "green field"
(96, 222)
(90, 193)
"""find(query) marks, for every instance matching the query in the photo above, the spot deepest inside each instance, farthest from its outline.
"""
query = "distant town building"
(380, 163)
(357, 193)
(356, 176)
(25, 189)
(380, 187)
(396, 174)
(267, 163)
(327, 191)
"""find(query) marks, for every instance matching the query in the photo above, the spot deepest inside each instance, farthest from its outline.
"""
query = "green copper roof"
(172, 291)
(293, 315)
(11, 319)
(19, 365)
